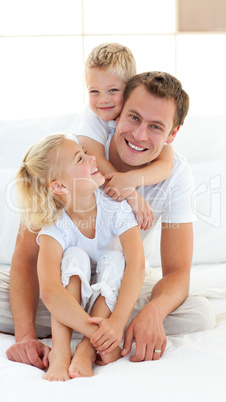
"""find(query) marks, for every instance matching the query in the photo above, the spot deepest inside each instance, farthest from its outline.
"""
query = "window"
(43, 45)
(202, 15)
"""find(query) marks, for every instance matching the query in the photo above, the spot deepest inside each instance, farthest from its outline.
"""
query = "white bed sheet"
(193, 367)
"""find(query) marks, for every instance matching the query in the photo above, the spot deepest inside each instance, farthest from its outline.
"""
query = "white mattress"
(193, 367)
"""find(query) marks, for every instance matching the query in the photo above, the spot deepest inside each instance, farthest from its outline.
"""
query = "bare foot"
(82, 361)
(107, 358)
(58, 366)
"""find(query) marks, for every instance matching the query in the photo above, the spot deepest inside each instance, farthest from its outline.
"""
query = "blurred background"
(43, 45)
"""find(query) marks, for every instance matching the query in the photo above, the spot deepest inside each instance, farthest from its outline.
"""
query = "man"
(155, 105)
(154, 108)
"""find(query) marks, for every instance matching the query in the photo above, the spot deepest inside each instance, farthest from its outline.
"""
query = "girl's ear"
(58, 188)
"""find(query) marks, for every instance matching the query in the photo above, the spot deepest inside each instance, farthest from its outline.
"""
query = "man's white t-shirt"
(172, 200)
(113, 218)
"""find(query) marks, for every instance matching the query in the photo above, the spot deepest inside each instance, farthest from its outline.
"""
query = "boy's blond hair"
(112, 58)
(41, 165)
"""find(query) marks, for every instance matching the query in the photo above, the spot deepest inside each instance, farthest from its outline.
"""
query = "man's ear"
(173, 135)
(58, 188)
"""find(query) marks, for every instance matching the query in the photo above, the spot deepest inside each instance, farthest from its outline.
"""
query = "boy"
(108, 68)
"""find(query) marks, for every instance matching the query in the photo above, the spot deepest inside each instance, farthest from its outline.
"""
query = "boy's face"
(105, 93)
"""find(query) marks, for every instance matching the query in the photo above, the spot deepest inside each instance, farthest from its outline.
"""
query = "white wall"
(43, 44)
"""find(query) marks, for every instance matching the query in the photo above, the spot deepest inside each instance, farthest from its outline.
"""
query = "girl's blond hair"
(112, 58)
(41, 165)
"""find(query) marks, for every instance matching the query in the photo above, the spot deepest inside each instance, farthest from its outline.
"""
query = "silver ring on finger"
(157, 351)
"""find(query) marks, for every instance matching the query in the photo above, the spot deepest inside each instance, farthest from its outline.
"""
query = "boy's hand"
(108, 336)
(120, 185)
(142, 210)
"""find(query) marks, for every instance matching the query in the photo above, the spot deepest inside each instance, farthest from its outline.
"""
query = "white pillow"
(208, 201)
(15, 139)
(210, 198)
(202, 138)
(10, 216)
(16, 136)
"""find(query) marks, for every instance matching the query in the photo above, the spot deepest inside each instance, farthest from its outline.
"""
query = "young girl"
(82, 271)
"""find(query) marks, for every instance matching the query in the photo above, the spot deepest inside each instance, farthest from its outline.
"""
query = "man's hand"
(29, 351)
(148, 331)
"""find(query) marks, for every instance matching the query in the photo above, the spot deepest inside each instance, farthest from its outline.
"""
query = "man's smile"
(135, 147)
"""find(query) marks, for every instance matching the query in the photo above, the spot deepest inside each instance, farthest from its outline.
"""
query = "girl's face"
(80, 172)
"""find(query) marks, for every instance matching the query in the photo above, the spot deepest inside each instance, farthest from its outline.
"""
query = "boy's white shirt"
(94, 127)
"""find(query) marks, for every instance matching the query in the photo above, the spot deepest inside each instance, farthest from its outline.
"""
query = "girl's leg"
(60, 355)
(110, 270)
(76, 263)
(100, 309)
(83, 359)
(85, 354)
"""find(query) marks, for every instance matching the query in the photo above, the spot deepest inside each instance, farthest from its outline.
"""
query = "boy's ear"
(58, 188)
(172, 135)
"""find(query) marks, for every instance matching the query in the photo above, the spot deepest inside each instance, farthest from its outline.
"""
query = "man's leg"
(43, 323)
(6, 319)
(193, 315)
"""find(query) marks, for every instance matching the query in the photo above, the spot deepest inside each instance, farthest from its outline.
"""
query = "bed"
(193, 367)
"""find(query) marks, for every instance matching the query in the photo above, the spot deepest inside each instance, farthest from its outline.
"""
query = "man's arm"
(24, 296)
(168, 294)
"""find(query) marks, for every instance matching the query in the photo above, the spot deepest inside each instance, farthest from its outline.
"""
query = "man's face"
(145, 125)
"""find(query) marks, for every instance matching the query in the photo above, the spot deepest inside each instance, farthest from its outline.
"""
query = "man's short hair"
(112, 58)
(162, 85)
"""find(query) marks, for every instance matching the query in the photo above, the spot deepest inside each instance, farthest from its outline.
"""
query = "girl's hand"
(108, 336)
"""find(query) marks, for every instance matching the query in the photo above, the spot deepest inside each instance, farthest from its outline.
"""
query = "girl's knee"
(110, 265)
(75, 261)
(76, 252)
